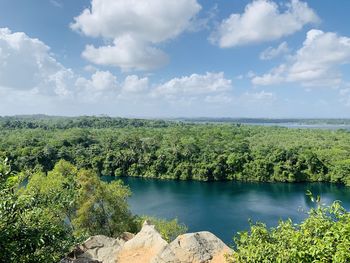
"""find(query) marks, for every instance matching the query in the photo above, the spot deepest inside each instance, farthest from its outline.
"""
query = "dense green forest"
(176, 150)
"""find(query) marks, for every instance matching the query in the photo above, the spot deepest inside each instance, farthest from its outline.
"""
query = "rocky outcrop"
(149, 247)
(143, 247)
(94, 250)
(198, 247)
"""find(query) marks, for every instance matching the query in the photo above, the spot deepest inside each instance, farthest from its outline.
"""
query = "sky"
(175, 58)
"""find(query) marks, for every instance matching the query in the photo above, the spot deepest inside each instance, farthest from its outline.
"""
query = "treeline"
(57, 122)
(267, 121)
(204, 152)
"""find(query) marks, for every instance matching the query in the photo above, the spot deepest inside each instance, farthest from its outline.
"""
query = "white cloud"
(100, 81)
(135, 27)
(33, 81)
(56, 3)
(27, 64)
(271, 52)
(194, 85)
(90, 68)
(103, 85)
(261, 96)
(134, 84)
(127, 54)
(316, 63)
(263, 21)
(28, 67)
(275, 76)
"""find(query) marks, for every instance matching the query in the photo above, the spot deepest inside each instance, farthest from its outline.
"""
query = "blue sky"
(156, 58)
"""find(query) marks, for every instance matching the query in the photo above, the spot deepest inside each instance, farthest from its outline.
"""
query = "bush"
(323, 237)
(169, 229)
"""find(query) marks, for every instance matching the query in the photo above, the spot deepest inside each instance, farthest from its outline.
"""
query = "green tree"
(102, 207)
(31, 230)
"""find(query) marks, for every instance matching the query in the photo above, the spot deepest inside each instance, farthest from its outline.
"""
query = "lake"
(224, 208)
(294, 125)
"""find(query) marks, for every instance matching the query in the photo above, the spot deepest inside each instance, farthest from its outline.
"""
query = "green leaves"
(180, 151)
(323, 237)
(316, 200)
(101, 207)
(169, 229)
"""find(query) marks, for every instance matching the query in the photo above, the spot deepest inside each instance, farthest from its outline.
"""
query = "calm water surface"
(294, 125)
(225, 207)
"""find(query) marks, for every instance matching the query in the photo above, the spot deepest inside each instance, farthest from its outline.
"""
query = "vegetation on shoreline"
(175, 150)
(323, 237)
(42, 216)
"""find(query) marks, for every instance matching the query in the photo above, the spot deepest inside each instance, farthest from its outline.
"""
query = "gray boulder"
(148, 246)
(200, 247)
(94, 250)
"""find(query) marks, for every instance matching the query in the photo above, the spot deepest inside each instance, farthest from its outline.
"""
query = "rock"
(79, 260)
(143, 247)
(200, 247)
(126, 236)
(94, 250)
(149, 247)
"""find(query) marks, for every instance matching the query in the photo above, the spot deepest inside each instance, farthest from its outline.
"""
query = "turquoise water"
(225, 207)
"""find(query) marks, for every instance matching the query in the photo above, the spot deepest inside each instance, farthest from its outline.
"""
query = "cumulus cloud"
(134, 84)
(263, 20)
(275, 76)
(271, 52)
(32, 81)
(128, 54)
(101, 85)
(134, 27)
(28, 67)
(316, 63)
(27, 64)
(100, 81)
(211, 88)
(194, 85)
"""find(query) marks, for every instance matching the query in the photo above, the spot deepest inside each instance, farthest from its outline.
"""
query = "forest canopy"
(177, 150)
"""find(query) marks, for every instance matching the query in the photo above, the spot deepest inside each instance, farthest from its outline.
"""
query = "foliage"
(41, 221)
(176, 150)
(323, 237)
(102, 207)
(29, 227)
(169, 229)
